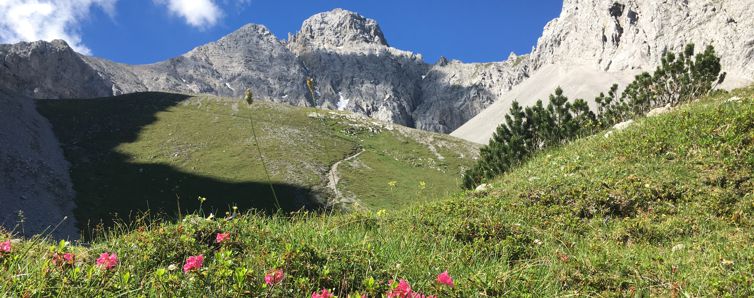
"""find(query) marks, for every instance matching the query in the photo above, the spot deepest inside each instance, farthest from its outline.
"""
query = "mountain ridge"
(348, 63)
(345, 55)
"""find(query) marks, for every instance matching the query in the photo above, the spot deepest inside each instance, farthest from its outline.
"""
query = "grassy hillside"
(159, 151)
(663, 208)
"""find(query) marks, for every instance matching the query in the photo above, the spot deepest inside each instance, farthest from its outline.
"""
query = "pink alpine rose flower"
(5, 247)
(222, 237)
(445, 279)
(193, 263)
(322, 294)
(274, 277)
(63, 259)
(69, 258)
(107, 261)
(402, 290)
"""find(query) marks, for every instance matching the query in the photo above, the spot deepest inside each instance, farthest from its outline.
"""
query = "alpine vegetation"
(679, 79)
(663, 209)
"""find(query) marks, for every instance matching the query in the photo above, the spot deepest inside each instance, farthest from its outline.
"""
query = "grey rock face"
(250, 57)
(454, 92)
(48, 70)
(379, 84)
(339, 28)
(633, 34)
(34, 175)
(352, 67)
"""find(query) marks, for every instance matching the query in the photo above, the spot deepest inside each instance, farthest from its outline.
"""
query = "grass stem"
(261, 157)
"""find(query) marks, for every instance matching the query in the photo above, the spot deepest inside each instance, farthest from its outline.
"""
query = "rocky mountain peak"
(442, 61)
(339, 28)
(247, 40)
(55, 45)
(44, 69)
(38, 48)
(251, 31)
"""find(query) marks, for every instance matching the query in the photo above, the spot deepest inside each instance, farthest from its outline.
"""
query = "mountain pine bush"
(680, 78)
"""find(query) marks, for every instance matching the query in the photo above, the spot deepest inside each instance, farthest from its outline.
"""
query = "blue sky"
(146, 31)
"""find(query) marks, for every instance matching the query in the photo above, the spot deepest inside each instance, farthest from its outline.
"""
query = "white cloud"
(197, 13)
(31, 20)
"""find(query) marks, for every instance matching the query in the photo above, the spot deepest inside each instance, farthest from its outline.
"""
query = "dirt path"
(334, 177)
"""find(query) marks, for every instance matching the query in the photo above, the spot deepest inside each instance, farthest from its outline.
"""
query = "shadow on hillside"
(109, 185)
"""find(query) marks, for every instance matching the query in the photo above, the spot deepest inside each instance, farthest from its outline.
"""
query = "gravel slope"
(34, 175)
(578, 81)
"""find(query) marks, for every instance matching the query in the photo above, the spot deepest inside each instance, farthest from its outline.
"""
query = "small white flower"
(678, 247)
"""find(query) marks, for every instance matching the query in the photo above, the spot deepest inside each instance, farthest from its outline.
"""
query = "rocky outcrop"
(578, 81)
(352, 67)
(339, 29)
(49, 70)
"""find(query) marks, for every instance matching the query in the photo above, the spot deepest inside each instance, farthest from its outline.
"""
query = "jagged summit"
(250, 31)
(338, 28)
(40, 45)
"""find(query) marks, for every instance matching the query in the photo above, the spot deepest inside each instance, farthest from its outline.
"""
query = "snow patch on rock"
(342, 102)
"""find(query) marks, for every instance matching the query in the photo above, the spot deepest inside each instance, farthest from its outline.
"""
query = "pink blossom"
(445, 279)
(222, 237)
(274, 277)
(322, 294)
(402, 290)
(107, 260)
(63, 259)
(5, 247)
(193, 263)
(69, 258)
